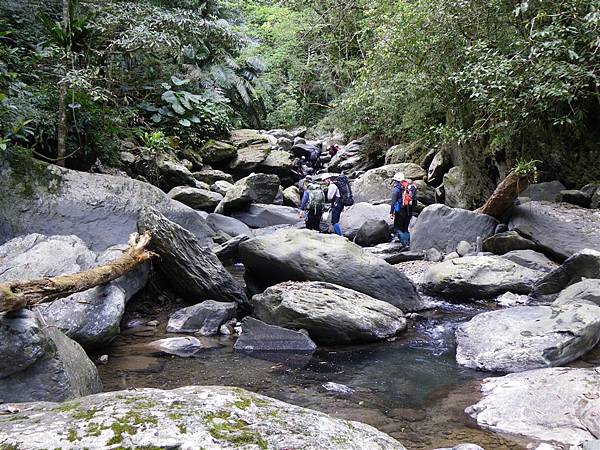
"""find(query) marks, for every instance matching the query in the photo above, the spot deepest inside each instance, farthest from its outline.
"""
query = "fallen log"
(15, 295)
(504, 195)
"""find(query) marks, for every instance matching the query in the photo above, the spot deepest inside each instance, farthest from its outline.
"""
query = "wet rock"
(375, 185)
(337, 388)
(184, 347)
(229, 250)
(255, 188)
(506, 242)
(574, 197)
(194, 271)
(510, 299)
(189, 417)
(249, 158)
(531, 259)
(455, 186)
(559, 229)
(440, 164)
(443, 228)
(258, 336)
(546, 191)
(464, 248)
(204, 318)
(478, 277)
(355, 216)
(221, 187)
(528, 337)
(292, 197)
(41, 364)
(261, 216)
(585, 264)
(217, 151)
(307, 255)
(211, 176)
(331, 314)
(373, 232)
(523, 404)
(583, 291)
(196, 198)
(394, 253)
(230, 225)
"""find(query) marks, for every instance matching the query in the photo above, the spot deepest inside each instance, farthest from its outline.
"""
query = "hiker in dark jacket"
(313, 202)
(333, 197)
(404, 196)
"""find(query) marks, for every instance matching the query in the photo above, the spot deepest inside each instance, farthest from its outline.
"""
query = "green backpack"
(316, 198)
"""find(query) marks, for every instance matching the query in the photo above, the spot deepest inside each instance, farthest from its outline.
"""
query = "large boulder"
(39, 363)
(574, 197)
(196, 198)
(439, 166)
(396, 154)
(244, 137)
(255, 188)
(425, 193)
(531, 259)
(250, 158)
(331, 314)
(473, 277)
(375, 185)
(508, 241)
(292, 196)
(193, 270)
(100, 209)
(583, 291)
(217, 151)
(358, 214)
(585, 264)
(559, 229)
(258, 336)
(173, 173)
(221, 187)
(441, 227)
(91, 317)
(278, 162)
(546, 191)
(300, 255)
(204, 318)
(528, 337)
(595, 203)
(211, 176)
(557, 405)
(191, 417)
(228, 225)
(455, 186)
(373, 232)
(261, 216)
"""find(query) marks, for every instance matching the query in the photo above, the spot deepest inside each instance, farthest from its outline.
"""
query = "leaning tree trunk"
(504, 195)
(20, 294)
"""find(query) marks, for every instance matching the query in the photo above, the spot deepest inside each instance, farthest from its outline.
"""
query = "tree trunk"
(62, 113)
(504, 195)
(20, 294)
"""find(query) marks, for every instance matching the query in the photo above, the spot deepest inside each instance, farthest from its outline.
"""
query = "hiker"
(339, 195)
(333, 149)
(313, 202)
(404, 196)
(315, 159)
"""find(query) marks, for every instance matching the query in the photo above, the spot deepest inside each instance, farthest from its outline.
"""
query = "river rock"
(396, 154)
(546, 191)
(229, 225)
(221, 187)
(559, 229)
(102, 210)
(258, 336)
(184, 347)
(204, 318)
(193, 271)
(196, 198)
(173, 173)
(455, 186)
(574, 197)
(506, 242)
(528, 337)
(331, 314)
(375, 185)
(261, 216)
(583, 291)
(558, 405)
(211, 176)
(245, 137)
(440, 164)
(441, 227)
(292, 196)
(39, 363)
(278, 162)
(394, 253)
(189, 417)
(217, 151)
(478, 277)
(250, 158)
(355, 216)
(595, 203)
(585, 264)
(373, 232)
(255, 188)
(228, 251)
(311, 256)
(425, 193)
(531, 259)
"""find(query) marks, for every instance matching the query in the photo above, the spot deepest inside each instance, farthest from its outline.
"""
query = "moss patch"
(233, 430)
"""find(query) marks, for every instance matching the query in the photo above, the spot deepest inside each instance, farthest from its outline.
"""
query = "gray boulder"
(455, 186)
(278, 162)
(394, 253)
(574, 197)
(229, 225)
(229, 250)
(193, 270)
(396, 154)
(204, 318)
(373, 232)
(41, 364)
(306, 255)
(217, 151)
(292, 196)
(441, 227)
(191, 417)
(249, 158)
(595, 203)
(546, 191)
(440, 164)
(506, 242)
(102, 210)
(261, 216)
(559, 229)
(583, 291)
(184, 347)
(244, 137)
(221, 187)
(196, 198)
(174, 174)
(211, 176)
(357, 215)
(375, 185)
(258, 336)
(425, 193)
(478, 277)
(331, 314)
(255, 188)
(558, 405)
(531, 259)
(528, 337)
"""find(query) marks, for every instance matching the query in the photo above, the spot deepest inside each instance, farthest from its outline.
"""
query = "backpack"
(343, 186)
(407, 197)
(316, 198)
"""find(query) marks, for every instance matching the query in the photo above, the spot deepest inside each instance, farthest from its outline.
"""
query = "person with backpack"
(313, 202)
(404, 197)
(339, 195)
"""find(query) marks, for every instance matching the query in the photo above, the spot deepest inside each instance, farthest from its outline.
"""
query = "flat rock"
(221, 187)
(244, 137)
(557, 405)
(531, 259)
(442, 227)
(559, 229)
(192, 417)
(357, 215)
(229, 225)
(202, 199)
(528, 337)
(331, 314)
(546, 191)
(258, 336)
(211, 176)
(583, 291)
(184, 347)
(395, 252)
(375, 185)
(508, 241)
(478, 277)
(261, 216)
(304, 255)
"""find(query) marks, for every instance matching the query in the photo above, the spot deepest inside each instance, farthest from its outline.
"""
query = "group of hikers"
(338, 195)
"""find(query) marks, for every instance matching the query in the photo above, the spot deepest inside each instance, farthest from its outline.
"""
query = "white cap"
(399, 176)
